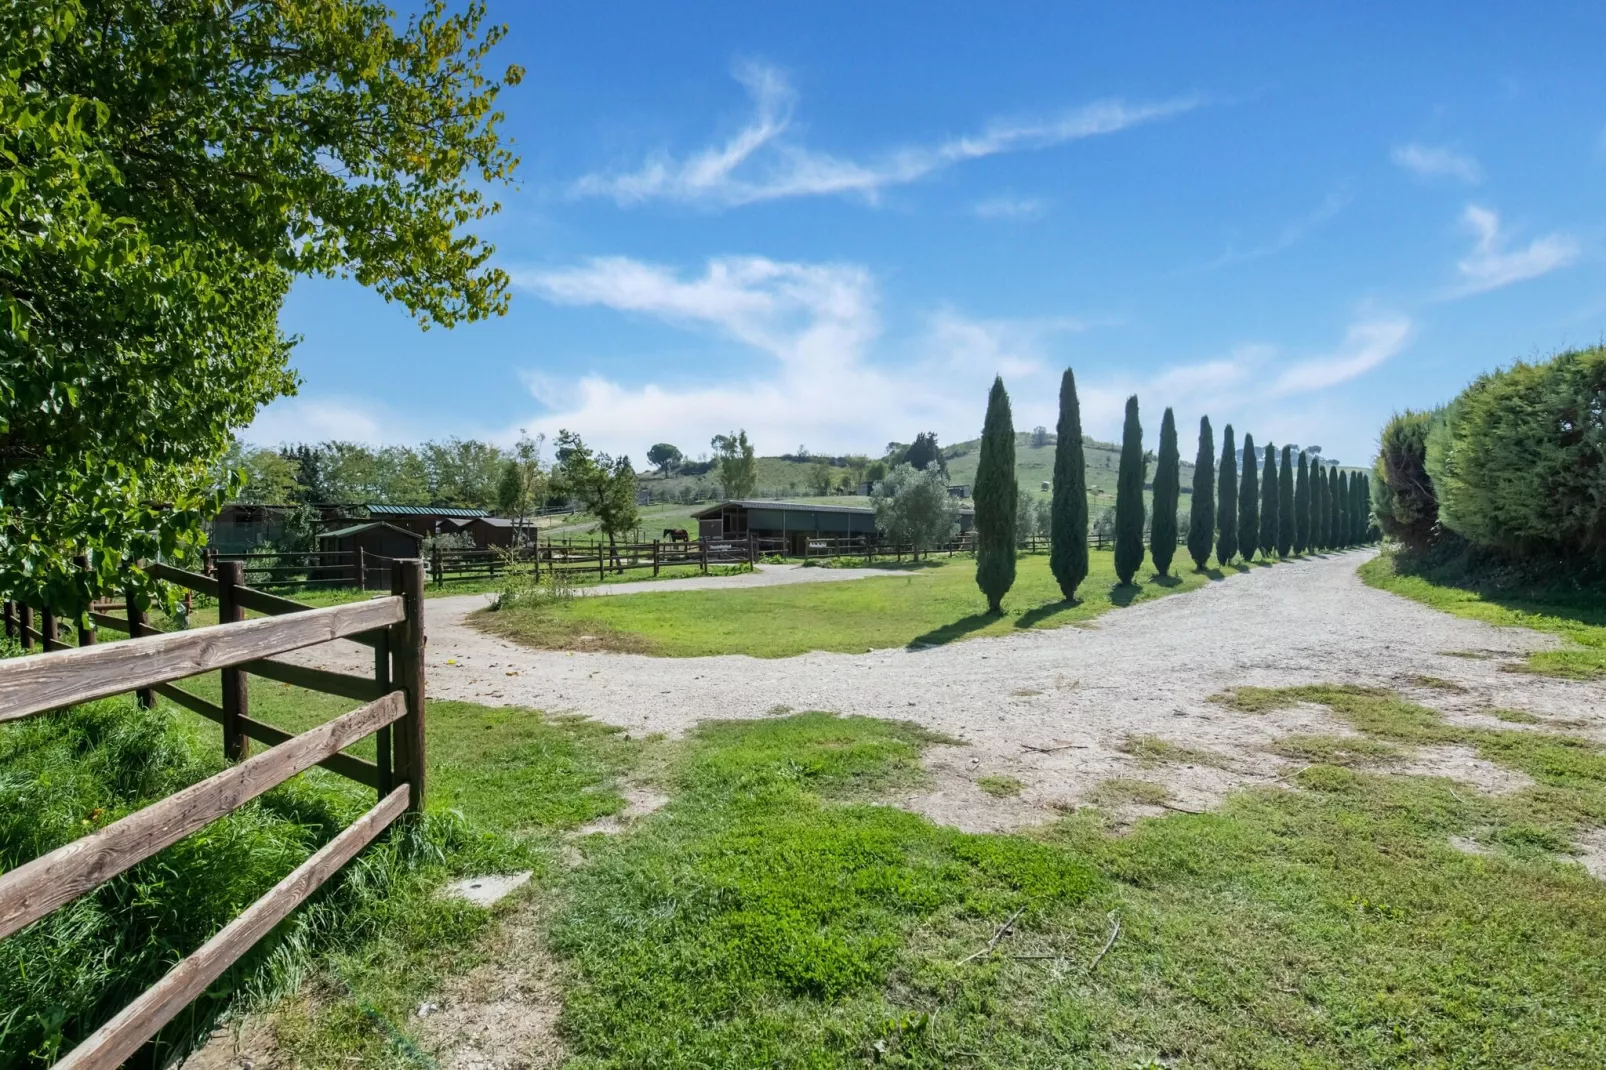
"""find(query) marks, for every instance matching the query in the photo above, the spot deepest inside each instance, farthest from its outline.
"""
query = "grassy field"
(914, 605)
(1577, 616)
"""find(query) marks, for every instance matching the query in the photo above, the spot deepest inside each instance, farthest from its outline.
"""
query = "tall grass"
(63, 775)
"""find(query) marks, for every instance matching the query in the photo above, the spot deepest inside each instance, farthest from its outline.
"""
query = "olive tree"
(913, 508)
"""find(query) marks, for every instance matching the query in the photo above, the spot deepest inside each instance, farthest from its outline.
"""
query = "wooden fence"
(272, 570)
(578, 558)
(149, 663)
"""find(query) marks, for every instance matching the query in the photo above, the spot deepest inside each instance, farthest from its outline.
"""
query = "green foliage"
(1167, 491)
(1341, 511)
(1068, 529)
(603, 486)
(1518, 459)
(169, 169)
(1227, 500)
(1403, 495)
(1202, 507)
(1286, 521)
(738, 466)
(925, 452)
(1269, 502)
(1129, 496)
(996, 494)
(821, 477)
(1249, 501)
(914, 509)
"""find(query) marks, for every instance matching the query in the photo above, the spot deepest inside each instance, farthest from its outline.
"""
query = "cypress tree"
(1285, 503)
(1317, 506)
(1268, 503)
(1302, 506)
(1167, 490)
(1367, 523)
(1331, 527)
(1202, 510)
(1129, 496)
(1340, 508)
(1067, 554)
(1248, 502)
(1357, 511)
(995, 501)
(1227, 500)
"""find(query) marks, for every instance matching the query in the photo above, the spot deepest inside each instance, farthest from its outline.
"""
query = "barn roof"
(354, 529)
(424, 510)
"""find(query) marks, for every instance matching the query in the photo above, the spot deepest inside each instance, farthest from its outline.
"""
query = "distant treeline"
(455, 472)
(1515, 465)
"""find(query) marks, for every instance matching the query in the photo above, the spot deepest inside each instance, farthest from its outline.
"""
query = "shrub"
(1202, 509)
(1227, 500)
(1068, 528)
(1518, 460)
(914, 508)
(1403, 496)
(1129, 496)
(1167, 489)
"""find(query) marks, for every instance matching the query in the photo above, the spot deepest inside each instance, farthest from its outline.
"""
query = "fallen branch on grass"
(1180, 809)
(1050, 750)
(997, 936)
(1115, 931)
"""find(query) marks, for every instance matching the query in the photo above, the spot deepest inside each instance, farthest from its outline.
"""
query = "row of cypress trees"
(1280, 508)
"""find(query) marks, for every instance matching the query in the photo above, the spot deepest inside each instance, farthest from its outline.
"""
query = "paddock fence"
(74, 668)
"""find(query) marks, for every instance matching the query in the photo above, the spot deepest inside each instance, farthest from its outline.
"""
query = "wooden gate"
(393, 626)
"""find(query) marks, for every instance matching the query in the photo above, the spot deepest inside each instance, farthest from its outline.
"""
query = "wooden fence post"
(654, 560)
(47, 625)
(752, 557)
(362, 569)
(25, 625)
(11, 620)
(407, 673)
(236, 700)
(382, 738)
(702, 545)
(145, 697)
(435, 565)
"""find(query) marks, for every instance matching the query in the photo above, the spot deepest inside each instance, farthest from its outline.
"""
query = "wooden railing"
(152, 662)
(578, 558)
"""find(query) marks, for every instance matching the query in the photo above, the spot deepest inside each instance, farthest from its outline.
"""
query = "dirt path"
(1077, 692)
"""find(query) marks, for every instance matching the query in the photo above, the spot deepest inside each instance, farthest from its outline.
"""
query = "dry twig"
(997, 936)
(1050, 750)
(1115, 931)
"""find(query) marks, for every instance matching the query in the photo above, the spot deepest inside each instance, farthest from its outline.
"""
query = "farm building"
(422, 519)
(794, 523)
(488, 531)
(373, 539)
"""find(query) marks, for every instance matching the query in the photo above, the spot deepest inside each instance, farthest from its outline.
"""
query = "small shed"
(371, 547)
(793, 524)
(489, 531)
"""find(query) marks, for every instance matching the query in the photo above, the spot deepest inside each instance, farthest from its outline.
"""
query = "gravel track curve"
(1055, 708)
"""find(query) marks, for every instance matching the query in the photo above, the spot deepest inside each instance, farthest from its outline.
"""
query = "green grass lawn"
(914, 605)
(1578, 616)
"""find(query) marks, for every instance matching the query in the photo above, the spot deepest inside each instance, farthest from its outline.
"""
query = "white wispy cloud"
(314, 419)
(763, 162)
(1011, 208)
(822, 372)
(1436, 161)
(1491, 265)
(1290, 235)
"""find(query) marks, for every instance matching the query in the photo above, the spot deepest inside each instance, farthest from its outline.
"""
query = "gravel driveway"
(1076, 692)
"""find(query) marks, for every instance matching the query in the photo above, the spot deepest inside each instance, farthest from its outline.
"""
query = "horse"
(677, 535)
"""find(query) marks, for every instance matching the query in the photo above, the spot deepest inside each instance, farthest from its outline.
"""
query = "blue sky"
(832, 224)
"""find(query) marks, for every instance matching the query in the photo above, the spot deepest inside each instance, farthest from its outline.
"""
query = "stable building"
(424, 520)
(793, 524)
(491, 531)
(371, 547)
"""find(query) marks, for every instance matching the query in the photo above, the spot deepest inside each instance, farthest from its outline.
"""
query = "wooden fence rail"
(151, 663)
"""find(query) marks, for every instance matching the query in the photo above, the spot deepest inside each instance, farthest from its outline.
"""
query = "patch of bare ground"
(639, 802)
(1590, 853)
(246, 1043)
(1462, 763)
(502, 1014)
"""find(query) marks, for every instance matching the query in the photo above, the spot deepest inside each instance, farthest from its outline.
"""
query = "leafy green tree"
(1129, 496)
(600, 485)
(1067, 556)
(169, 169)
(664, 457)
(925, 453)
(1202, 509)
(913, 508)
(1302, 506)
(523, 482)
(738, 464)
(1227, 500)
(1249, 501)
(1167, 492)
(996, 492)
(1285, 503)
(820, 478)
(267, 477)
